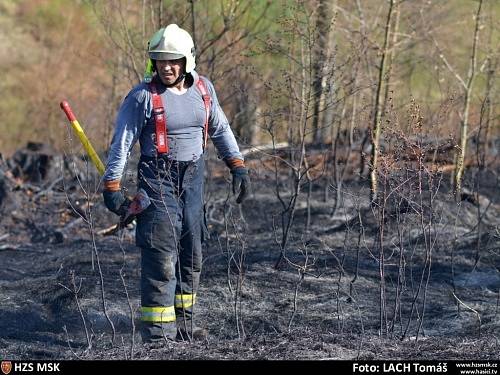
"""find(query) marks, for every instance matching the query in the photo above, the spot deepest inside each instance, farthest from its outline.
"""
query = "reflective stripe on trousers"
(185, 300)
(158, 314)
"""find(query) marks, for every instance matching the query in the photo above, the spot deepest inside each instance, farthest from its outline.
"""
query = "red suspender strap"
(206, 100)
(160, 120)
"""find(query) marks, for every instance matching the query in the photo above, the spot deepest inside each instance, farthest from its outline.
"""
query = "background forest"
(271, 61)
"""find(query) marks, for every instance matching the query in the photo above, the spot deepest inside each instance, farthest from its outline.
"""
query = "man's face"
(170, 70)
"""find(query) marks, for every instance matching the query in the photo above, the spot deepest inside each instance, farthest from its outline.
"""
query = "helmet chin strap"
(179, 79)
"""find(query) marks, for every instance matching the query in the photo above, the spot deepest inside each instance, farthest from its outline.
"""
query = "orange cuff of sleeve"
(112, 185)
(235, 163)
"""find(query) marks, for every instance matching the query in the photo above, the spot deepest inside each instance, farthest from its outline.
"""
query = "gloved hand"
(114, 200)
(241, 183)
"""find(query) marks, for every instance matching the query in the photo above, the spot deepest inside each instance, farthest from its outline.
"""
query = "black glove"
(241, 183)
(116, 202)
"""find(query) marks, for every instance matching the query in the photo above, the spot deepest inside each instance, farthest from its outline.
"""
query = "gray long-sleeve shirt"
(185, 116)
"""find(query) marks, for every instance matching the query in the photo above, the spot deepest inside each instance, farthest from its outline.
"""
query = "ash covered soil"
(438, 297)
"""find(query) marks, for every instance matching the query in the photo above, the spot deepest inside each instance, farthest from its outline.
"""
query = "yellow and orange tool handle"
(83, 138)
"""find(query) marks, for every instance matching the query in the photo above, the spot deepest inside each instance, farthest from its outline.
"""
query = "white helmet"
(171, 43)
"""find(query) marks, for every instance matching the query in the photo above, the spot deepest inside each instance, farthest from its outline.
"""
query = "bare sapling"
(89, 221)
(74, 289)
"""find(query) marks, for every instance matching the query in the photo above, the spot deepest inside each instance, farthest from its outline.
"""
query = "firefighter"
(171, 116)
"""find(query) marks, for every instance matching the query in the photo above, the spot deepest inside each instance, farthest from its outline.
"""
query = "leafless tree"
(383, 69)
(467, 87)
(322, 84)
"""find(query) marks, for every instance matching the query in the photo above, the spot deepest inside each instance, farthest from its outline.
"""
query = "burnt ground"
(324, 301)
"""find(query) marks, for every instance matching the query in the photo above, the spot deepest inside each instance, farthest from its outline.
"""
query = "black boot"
(158, 332)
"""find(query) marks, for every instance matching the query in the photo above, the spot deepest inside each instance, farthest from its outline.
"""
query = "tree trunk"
(379, 103)
(193, 24)
(390, 57)
(460, 154)
(321, 62)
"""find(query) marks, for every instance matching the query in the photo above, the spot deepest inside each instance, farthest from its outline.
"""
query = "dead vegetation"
(415, 276)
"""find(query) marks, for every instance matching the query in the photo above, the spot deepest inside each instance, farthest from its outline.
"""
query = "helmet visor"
(165, 56)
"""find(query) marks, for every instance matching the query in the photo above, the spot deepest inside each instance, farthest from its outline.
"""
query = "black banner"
(472, 367)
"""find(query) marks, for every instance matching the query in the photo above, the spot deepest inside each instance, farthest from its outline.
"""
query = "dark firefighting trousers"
(170, 234)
